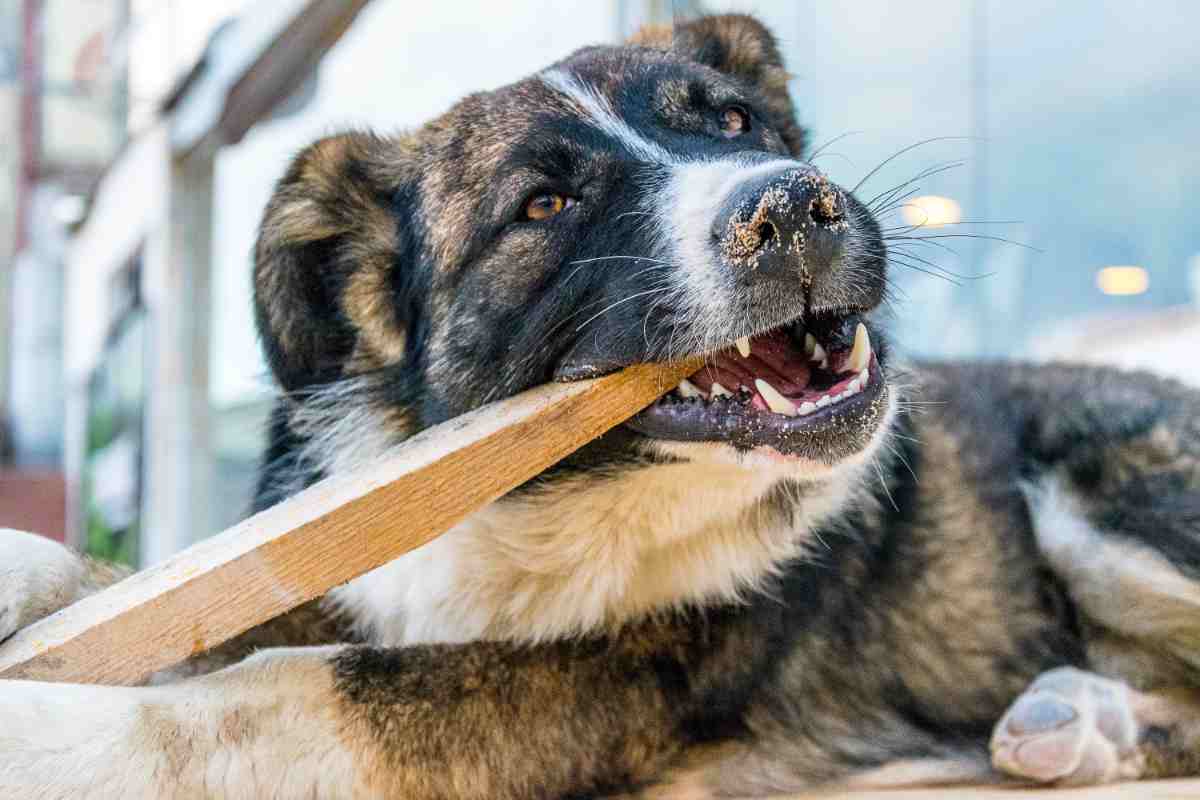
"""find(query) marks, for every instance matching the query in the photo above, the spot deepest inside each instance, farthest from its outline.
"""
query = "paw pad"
(1069, 727)
(1037, 713)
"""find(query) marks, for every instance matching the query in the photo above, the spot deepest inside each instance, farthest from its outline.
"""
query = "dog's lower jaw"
(588, 554)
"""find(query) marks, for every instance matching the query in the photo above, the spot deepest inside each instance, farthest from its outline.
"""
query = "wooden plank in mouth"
(326, 535)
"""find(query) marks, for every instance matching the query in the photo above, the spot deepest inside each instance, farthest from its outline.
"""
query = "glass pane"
(1075, 123)
(112, 473)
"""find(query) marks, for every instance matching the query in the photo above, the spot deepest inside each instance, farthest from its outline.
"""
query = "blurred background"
(1052, 165)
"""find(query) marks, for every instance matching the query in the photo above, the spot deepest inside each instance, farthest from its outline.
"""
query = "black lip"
(582, 371)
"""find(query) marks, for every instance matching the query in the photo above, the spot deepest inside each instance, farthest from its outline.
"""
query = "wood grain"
(326, 535)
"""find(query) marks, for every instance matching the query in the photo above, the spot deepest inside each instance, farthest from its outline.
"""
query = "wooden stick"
(326, 535)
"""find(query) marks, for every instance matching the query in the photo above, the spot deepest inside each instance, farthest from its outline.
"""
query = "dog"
(778, 577)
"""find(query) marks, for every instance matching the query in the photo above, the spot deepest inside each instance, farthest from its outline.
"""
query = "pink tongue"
(773, 357)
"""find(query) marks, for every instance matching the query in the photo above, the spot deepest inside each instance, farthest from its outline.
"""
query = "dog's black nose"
(789, 223)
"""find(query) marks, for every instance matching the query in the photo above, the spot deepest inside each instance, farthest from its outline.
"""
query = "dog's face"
(628, 204)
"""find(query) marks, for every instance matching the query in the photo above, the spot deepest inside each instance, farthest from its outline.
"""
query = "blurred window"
(112, 470)
(1076, 125)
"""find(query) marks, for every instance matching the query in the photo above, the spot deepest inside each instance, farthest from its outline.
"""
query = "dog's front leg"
(480, 720)
(262, 728)
(39, 576)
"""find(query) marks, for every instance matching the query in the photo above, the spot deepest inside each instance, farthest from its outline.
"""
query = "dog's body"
(772, 579)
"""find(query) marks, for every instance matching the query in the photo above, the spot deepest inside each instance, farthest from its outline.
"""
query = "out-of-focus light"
(931, 211)
(1123, 280)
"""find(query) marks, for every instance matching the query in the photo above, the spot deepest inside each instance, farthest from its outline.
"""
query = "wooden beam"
(226, 95)
(326, 535)
(285, 64)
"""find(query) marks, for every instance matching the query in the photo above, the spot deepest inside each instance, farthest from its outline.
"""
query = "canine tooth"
(820, 355)
(824, 401)
(860, 356)
(717, 390)
(775, 401)
(807, 407)
(689, 389)
(743, 346)
(810, 345)
(855, 387)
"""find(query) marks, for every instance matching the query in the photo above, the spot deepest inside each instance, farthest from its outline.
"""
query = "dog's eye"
(735, 121)
(545, 206)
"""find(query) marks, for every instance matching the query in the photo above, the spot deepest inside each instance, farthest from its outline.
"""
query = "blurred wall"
(10, 56)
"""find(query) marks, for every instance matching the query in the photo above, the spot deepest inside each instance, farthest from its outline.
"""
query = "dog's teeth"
(807, 408)
(810, 345)
(819, 355)
(689, 389)
(860, 356)
(824, 401)
(743, 346)
(855, 387)
(717, 390)
(775, 401)
(864, 377)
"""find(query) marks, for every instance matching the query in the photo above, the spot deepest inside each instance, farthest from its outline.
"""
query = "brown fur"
(740, 45)
(332, 199)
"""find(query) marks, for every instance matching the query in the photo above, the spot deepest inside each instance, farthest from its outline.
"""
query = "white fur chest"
(592, 552)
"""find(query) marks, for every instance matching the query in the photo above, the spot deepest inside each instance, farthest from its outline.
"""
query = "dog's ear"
(739, 45)
(333, 242)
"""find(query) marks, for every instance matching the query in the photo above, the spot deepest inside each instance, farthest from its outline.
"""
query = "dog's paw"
(37, 577)
(1071, 728)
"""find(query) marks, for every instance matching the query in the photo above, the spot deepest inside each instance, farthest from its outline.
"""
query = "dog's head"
(628, 204)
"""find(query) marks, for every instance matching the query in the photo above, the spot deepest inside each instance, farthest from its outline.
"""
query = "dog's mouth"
(812, 389)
